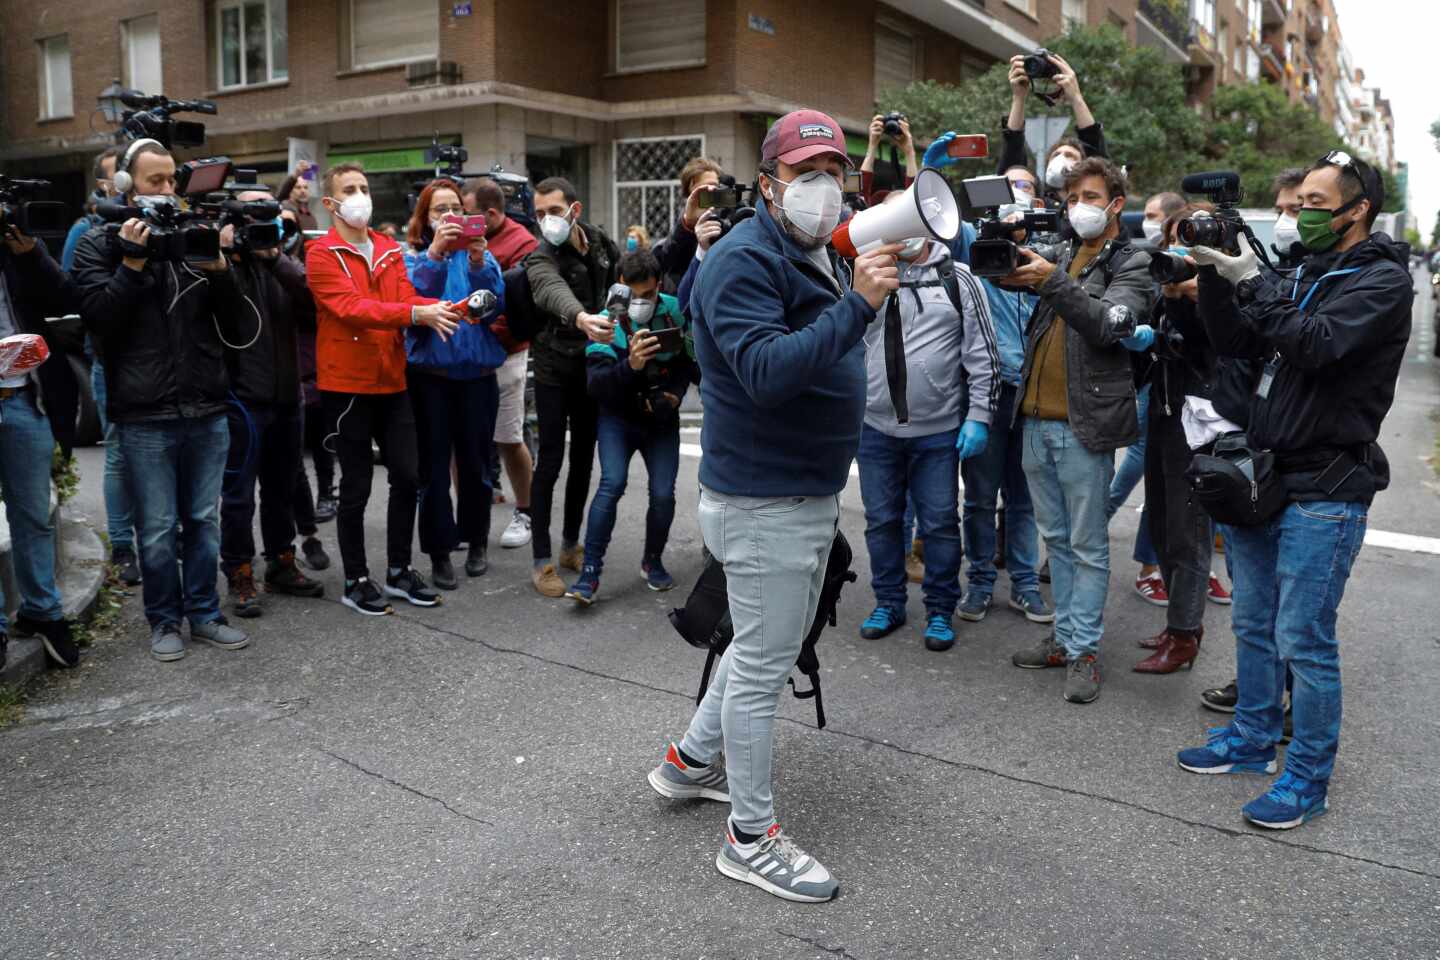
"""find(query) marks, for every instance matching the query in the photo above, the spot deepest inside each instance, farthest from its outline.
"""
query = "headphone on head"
(124, 183)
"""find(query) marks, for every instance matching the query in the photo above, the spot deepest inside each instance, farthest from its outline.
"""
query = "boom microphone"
(1225, 182)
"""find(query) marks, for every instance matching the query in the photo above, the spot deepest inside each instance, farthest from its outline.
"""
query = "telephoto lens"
(1166, 267)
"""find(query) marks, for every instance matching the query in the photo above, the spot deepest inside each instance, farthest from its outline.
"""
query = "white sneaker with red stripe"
(677, 780)
(1218, 593)
(777, 865)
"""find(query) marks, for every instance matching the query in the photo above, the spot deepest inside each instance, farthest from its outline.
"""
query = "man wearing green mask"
(1327, 345)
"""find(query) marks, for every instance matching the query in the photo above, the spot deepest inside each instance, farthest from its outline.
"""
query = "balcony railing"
(1170, 17)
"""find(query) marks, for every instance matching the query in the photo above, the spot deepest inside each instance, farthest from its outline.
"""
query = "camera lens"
(1201, 232)
(1166, 267)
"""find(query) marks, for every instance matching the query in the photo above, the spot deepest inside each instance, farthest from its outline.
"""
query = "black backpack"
(704, 621)
(521, 317)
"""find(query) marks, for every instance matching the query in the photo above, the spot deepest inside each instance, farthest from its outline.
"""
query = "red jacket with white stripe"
(362, 312)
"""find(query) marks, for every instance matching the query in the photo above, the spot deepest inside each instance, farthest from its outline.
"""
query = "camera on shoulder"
(41, 219)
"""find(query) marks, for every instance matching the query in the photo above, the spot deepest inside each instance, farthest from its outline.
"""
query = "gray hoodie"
(939, 345)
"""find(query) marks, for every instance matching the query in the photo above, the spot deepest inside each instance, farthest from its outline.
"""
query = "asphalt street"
(469, 781)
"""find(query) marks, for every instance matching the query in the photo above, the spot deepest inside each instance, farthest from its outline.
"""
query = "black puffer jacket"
(156, 331)
(39, 289)
(267, 372)
(1335, 361)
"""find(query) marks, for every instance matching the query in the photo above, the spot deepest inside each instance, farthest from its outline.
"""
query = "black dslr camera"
(42, 219)
(149, 117)
(892, 124)
(1223, 229)
(731, 204)
(995, 253)
(1039, 66)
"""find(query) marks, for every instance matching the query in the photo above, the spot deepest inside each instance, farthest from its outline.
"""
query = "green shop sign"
(383, 161)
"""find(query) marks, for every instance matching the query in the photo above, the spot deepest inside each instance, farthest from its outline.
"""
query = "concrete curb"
(80, 572)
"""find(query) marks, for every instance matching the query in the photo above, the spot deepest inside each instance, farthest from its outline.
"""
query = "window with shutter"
(142, 54)
(56, 98)
(659, 34)
(894, 59)
(385, 32)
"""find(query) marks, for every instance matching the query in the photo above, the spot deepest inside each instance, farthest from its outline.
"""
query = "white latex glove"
(1231, 268)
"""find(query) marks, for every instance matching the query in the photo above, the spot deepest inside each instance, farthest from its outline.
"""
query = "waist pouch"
(1235, 483)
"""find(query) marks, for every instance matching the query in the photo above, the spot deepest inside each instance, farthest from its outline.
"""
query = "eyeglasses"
(441, 211)
(1023, 185)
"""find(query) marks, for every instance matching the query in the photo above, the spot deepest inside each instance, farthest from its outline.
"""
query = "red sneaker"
(1218, 593)
(1152, 590)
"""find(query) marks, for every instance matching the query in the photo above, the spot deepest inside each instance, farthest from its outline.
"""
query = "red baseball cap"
(802, 134)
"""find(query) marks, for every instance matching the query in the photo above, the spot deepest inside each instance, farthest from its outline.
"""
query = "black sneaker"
(59, 644)
(363, 596)
(1220, 699)
(325, 508)
(282, 575)
(315, 556)
(410, 586)
(126, 566)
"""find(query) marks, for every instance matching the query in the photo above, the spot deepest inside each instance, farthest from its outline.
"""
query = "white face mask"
(1055, 172)
(812, 203)
(149, 201)
(1088, 220)
(913, 248)
(1010, 209)
(1154, 230)
(1287, 232)
(555, 230)
(641, 311)
(355, 210)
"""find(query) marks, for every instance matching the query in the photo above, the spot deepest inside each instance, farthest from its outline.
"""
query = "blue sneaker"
(657, 578)
(976, 605)
(584, 589)
(1225, 751)
(1030, 603)
(939, 634)
(1289, 802)
(883, 622)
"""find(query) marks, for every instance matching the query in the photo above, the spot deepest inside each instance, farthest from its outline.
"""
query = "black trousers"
(1179, 527)
(388, 419)
(454, 417)
(557, 408)
(313, 420)
(264, 446)
(316, 427)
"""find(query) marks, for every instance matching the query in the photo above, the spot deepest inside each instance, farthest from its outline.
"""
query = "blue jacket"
(1010, 312)
(473, 351)
(782, 366)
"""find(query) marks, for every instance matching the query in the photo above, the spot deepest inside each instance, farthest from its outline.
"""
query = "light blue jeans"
(26, 447)
(119, 515)
(1290, 576)
(775, 551)
(1070, 487)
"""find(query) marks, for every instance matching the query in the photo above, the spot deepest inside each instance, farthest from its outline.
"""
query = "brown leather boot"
(1178, 648)
(1155, 642)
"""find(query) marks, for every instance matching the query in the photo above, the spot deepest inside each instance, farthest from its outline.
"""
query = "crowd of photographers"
(1017, 357)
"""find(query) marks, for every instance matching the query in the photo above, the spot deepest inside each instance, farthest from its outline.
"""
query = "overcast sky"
(1394, 42)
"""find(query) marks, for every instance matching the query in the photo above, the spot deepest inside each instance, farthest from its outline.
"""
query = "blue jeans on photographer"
(999, 468)
(26, 448)
(925, 468)
(174, 475)
(619, 440)
(119, 515)
(1290, 576)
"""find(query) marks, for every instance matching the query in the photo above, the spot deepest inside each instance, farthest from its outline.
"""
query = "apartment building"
(614, 94)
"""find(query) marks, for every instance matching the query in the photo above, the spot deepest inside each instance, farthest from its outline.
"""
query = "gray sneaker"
(166, 643)
(976, 605)
(1030, 603)
(677, 780)
(220, 634)
(777, 865)
(1082, 682)
(1046, 653)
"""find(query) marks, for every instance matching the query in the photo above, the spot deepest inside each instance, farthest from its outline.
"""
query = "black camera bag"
(1235, 483)
(704, 621)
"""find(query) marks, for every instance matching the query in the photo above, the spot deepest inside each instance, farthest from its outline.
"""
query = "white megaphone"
(928, 209)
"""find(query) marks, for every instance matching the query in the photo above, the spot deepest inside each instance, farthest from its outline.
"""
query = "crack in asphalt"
(403, 786)
(957, 764)
(833, 951)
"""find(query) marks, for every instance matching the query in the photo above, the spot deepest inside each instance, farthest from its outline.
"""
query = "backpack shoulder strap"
(952, 285)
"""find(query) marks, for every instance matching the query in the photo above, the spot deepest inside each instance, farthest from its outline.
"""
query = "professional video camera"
(448, 160)
(995, 253)
(43, 219)
(732, 203)
(177, 235)
(149, 117)
(1224, 228)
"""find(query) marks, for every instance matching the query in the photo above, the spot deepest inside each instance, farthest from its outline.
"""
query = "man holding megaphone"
(779, 320)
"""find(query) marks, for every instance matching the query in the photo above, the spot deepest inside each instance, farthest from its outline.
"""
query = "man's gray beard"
(802, 238)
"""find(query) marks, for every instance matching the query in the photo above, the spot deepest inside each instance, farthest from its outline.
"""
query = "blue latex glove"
(974, 435)
(1140, 340)
(935, 155)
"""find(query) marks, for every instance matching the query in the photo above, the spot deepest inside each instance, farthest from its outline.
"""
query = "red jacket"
(510, 245)
(362, 313)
